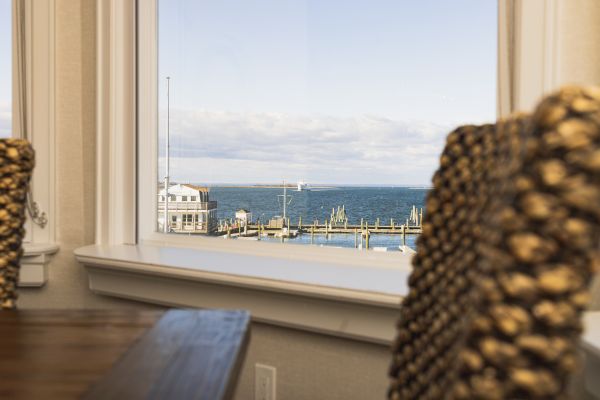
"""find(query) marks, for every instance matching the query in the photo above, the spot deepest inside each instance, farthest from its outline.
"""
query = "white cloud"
(211, 146)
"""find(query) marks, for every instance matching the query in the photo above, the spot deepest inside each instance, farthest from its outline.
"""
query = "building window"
(172, 198)
(322, 117)
(183, 198)
(193, 198)
(5, 69)
(188, 219)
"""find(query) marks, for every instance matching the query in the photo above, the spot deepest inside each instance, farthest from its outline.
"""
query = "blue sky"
(5, 68)
(336, 91)
(328, 91)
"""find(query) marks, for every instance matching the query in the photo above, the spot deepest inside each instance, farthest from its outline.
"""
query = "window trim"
(40, 242)
(147, 173)
(40, 79)
(116, 119)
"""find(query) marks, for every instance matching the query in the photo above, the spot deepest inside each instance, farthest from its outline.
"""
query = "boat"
(303, 186)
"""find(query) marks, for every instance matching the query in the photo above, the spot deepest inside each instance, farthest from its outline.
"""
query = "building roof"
(184, 189)
(203, 189)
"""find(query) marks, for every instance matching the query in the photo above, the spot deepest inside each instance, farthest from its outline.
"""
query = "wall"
(578, 46)
(313, 366)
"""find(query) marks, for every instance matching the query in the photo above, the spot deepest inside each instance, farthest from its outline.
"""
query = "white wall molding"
(39, 37)
(148, 117)
(34, 264)
(528, 53)
(116, 122)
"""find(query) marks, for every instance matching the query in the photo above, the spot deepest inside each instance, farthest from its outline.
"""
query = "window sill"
(332, 297)
(34, 264)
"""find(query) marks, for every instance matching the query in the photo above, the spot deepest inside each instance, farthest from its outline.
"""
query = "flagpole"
(167, 151)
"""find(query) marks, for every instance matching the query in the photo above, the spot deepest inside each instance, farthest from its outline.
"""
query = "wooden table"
(191, 354)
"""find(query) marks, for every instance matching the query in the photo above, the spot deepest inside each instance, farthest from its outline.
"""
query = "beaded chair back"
(16, 165)
(510, 241)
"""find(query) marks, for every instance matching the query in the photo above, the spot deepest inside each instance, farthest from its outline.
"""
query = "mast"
(284, 201)
(284, 197)
(166, 224)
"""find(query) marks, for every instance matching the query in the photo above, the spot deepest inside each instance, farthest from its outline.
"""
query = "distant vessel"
(303, 186)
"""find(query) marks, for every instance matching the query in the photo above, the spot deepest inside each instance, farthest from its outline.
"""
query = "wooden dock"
(336, 224)
(322, 229)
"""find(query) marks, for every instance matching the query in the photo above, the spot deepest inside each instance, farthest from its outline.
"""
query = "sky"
(326, 91)
(5, 68)
(336, 91)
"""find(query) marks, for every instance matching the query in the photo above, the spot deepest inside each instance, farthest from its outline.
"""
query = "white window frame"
(134, 261)
(147, 176)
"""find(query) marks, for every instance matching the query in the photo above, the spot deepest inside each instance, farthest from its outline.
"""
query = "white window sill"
(332, 296)
(34, 263)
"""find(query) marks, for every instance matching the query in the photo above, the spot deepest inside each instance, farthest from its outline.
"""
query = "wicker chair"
(16, 165)
(510, 242)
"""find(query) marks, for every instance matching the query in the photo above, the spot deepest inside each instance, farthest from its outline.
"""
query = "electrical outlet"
(264, 382)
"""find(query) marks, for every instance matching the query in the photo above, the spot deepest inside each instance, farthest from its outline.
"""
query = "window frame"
(40, 78)
(127, 181)
(39, 35)
(147, 175)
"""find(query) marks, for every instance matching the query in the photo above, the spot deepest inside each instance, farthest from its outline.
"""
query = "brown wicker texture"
(16, 165)
(510, 242)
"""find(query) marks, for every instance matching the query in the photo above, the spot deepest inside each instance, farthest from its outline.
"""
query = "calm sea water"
(369, 203)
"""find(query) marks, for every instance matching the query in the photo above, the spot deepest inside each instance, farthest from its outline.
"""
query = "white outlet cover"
(264, 382)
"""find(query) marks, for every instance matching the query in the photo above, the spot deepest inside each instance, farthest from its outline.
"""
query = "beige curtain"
(21, 105)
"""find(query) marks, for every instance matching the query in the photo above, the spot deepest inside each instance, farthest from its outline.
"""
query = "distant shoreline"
(307, 187)
(269, 187)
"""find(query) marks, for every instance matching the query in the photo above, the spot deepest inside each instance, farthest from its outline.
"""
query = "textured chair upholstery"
(16, 165)
(510, 241)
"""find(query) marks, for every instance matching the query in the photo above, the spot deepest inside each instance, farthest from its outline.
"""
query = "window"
(5, 69)
(188, 219)
(323, 119)
(172, 198)
(343, 294)
(183, 198)
(193, 198)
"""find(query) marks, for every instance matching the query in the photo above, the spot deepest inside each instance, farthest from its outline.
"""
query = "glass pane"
(316, 121)
(5, 69)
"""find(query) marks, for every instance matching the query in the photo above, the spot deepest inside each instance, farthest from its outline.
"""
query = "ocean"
(368, 203)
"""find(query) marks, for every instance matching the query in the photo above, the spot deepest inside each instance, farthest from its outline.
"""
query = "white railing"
(184, 206)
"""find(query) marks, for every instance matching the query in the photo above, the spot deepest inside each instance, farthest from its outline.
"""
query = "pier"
(336, 224)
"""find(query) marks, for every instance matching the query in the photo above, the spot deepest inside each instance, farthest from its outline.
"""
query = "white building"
(190, 209)
(243, 216)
